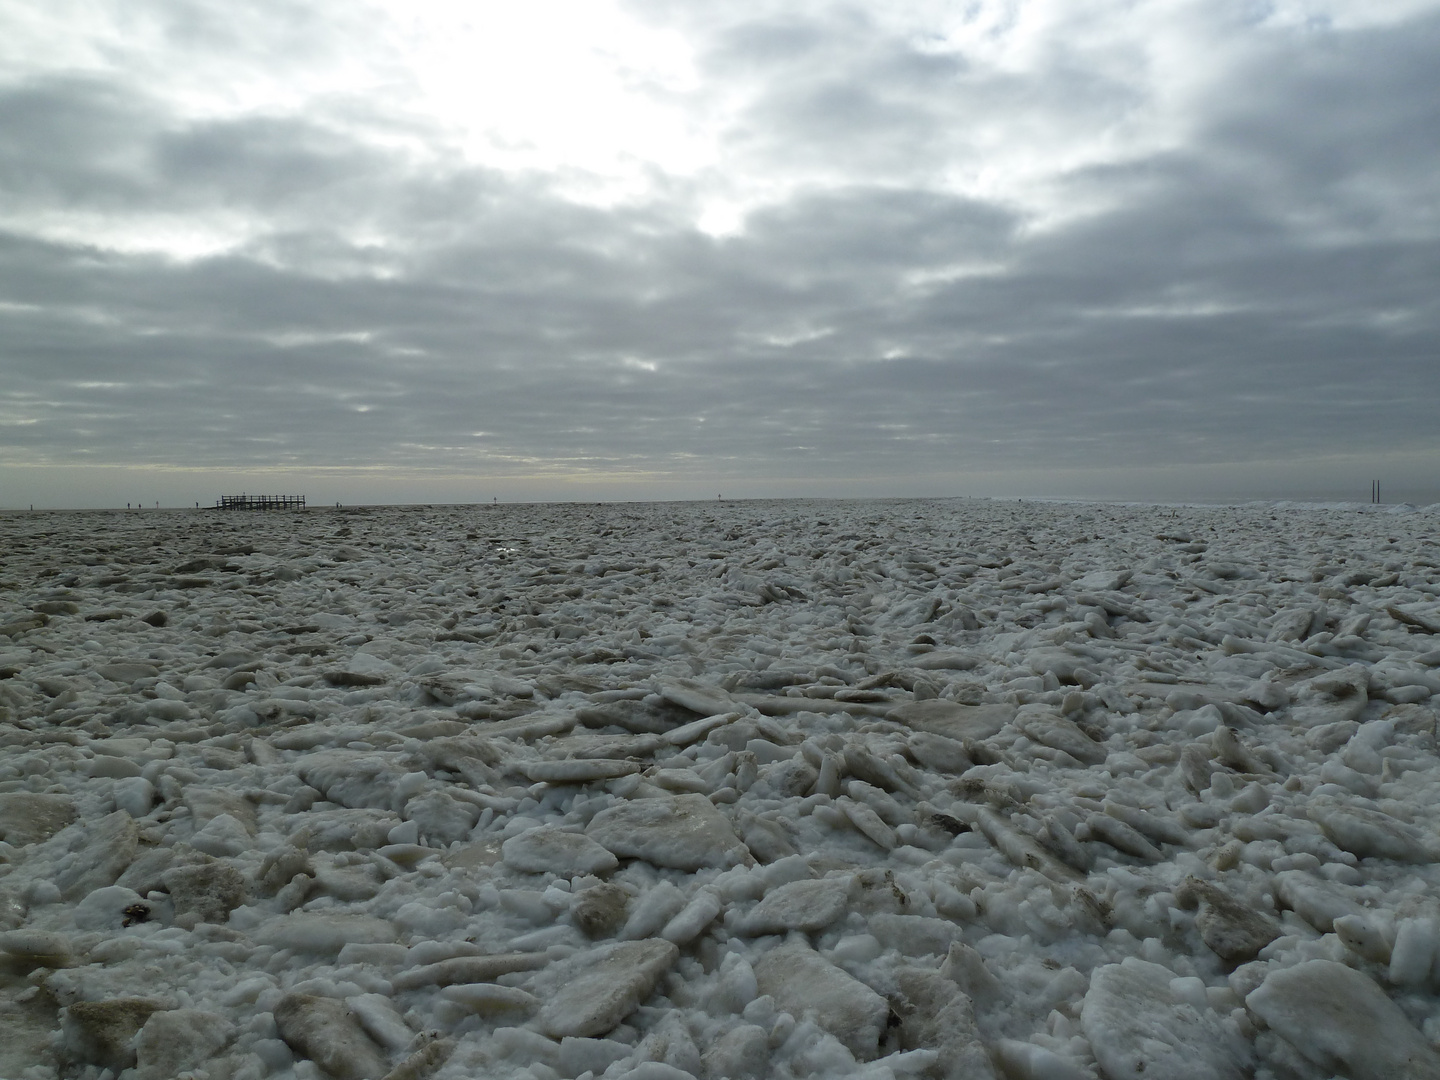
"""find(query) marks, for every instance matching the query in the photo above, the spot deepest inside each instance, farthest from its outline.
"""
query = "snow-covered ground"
(779, 789)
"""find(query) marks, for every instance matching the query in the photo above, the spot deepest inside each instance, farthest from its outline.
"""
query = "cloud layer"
(655, 248)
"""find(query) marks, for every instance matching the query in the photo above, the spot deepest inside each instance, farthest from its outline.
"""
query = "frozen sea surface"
(782, 789)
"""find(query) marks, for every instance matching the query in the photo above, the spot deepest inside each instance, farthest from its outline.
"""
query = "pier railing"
(261, 502)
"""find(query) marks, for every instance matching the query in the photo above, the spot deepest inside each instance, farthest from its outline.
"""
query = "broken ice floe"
(932, 789)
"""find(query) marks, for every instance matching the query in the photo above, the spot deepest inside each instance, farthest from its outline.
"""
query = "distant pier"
(261, 502)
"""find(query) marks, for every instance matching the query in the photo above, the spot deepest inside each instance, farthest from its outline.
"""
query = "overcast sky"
(426, 251)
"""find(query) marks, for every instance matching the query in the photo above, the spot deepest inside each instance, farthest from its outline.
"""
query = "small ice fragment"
(175, 1041)
(1137, 1026)
(103, 1032)
(593, 991)
(221, 837)
(1045, 726)
(581, 1055)
(698, 729)
(698, 697)
(37, 946)
(324, 932)
(409, 784)
(952, 720)
(577, 770)
(110, 908)
(28, 817)
(599, 910)
(803, 982)
(135, 795)
(868, 822)
(1366, 833)
(467, 969)
(935, 1016)
(1361, 936)
(657, 907)
(736, 988)
(914, 935)
(1152, 826)
(381, 1021)
(685, 832)
(807, 906)
(1342, 1021)
(1233, 931)
(489, 998)
(569, 854)
(1122, 837)
(742, 1053)
(1026, 1061)
(329, 1034)
(1414, 952)
(699, 913)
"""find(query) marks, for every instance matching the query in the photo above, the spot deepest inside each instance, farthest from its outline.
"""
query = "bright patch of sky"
(1024, 234)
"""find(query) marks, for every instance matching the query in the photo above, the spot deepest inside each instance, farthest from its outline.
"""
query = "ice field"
(950, 788)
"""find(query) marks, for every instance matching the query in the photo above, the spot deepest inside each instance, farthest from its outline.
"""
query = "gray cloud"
(1262, 290)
